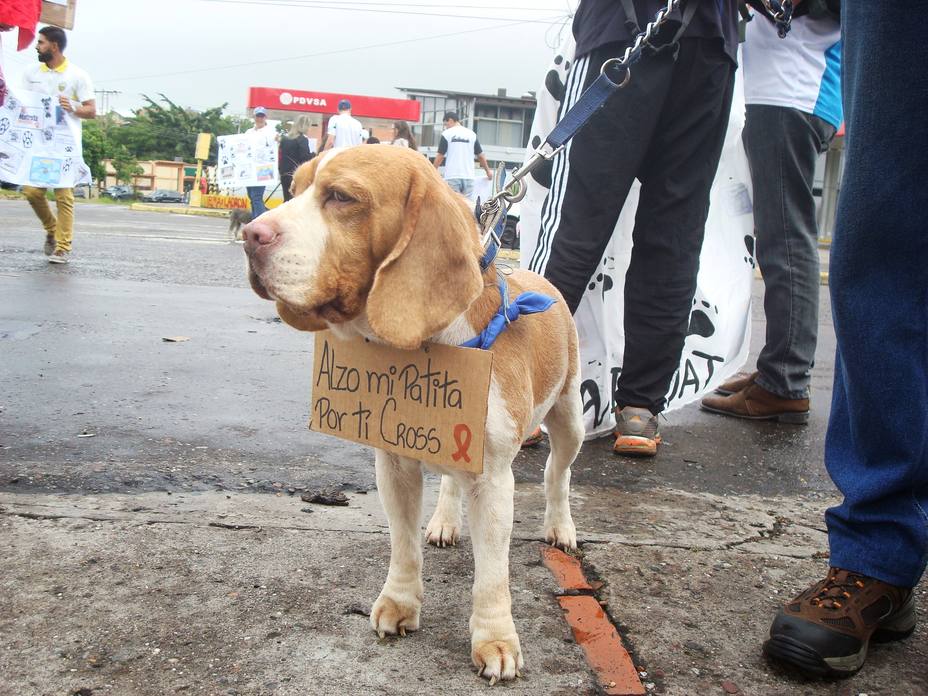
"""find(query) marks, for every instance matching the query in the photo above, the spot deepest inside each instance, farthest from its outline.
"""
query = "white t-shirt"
(66, 79)
(802, 71)
(460, 146)
(346, 130)
(268, 132)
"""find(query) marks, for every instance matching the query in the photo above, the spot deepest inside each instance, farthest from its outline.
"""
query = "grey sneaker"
(60, 256)
(49, 244)
(637, 432)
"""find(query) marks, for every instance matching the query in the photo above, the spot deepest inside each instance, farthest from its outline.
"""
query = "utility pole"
(105, 95)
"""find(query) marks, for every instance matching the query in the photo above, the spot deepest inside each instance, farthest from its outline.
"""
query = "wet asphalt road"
(81, 353)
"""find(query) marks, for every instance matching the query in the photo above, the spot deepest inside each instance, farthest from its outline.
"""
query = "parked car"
(163, 196)
(119, 192)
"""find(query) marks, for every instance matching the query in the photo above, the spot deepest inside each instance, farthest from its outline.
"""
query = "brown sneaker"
(49, 247)
(756, 403)
(60, 256)
(827, 629)
(736, 383)
(637, 433)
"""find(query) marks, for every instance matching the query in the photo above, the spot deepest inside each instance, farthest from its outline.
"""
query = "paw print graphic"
(554, 85)
(701, 319)
(542, 173)
(4, 125)
(604, 278)
(27, 139)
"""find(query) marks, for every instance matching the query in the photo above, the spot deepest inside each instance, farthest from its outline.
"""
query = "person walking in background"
(876, 449)
(261, 128)
(402, 136)
(456, 150)
(56, 76)
(792, 116)
(294, 151)
(666, 128)
(344, 129)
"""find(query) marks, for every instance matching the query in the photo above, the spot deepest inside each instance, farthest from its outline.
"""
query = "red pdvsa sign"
(327, 103)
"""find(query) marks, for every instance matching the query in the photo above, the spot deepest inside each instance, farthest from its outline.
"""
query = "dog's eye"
(339, 197)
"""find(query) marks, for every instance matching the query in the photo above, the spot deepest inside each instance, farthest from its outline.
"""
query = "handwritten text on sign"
(428, 404)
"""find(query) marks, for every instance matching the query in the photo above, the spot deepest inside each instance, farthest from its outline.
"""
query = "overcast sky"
(201, 53)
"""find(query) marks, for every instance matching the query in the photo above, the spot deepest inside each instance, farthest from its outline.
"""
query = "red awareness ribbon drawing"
(462, 438)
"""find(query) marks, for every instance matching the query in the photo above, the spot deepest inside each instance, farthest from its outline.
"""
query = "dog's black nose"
(258, 234)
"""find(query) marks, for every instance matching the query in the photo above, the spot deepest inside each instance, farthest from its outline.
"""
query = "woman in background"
(294, 151)
(402, 136)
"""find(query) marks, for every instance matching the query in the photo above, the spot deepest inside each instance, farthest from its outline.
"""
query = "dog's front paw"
(560, 531)
(498, 660)
(391, 617)
(442, 531)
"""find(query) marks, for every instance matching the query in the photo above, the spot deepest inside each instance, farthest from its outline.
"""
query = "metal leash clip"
(782, 14)
(513, 192)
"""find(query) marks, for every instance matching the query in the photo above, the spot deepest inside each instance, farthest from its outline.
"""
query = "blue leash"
(599, 92)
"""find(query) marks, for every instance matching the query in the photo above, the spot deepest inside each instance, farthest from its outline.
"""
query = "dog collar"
(508, 312)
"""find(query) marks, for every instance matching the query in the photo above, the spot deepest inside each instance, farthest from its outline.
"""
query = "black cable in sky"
(429, 5)
(291, 3)
(320, 53)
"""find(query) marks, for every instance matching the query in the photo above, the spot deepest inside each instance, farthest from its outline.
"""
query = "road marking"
(162, 237)
(601, 643)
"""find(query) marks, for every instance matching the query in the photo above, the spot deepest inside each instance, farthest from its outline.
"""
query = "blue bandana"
(526, 303)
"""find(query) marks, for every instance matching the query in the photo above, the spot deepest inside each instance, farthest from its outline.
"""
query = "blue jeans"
(462, 186)
(256, 197)
(782, 145)
(876, 449)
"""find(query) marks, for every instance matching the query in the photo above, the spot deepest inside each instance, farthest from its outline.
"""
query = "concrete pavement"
(153, 540)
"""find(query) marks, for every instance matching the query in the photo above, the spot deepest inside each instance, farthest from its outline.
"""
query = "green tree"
(164, 130)
(95, 149)
(98, 145)
(125, 164)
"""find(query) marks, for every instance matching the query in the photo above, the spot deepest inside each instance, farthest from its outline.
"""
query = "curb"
(204, 212)
(593, 630)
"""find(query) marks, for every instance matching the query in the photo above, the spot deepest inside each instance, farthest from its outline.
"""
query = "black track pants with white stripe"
(665, 128)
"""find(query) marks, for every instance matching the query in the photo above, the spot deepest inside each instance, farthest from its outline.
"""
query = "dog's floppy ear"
(432, 273)
(303, 177)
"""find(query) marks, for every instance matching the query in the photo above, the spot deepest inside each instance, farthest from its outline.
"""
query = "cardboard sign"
(428, 404)
(59, 13)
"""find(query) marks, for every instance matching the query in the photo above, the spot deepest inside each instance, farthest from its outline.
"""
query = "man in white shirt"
(261, 128)
(57, 77)
(344, 129)
(792, 87)
(457, 150)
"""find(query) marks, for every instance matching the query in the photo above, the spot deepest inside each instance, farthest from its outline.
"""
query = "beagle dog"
(376, 244)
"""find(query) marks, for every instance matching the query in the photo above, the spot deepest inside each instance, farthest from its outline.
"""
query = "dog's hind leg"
(399, 482)
(495, 648)
(565, 432)
(444, 528)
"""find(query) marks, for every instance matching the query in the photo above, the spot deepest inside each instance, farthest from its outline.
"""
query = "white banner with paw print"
(720, 320)
(40, 143)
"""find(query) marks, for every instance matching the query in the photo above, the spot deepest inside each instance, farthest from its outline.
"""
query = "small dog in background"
(238, 218)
